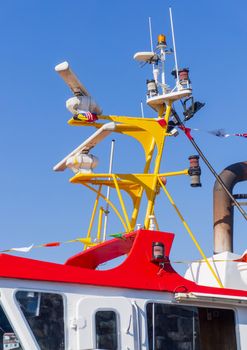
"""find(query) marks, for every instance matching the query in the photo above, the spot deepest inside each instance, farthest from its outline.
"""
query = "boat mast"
(108, 190)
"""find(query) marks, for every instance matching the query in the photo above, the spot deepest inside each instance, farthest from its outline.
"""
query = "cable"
(218, 178)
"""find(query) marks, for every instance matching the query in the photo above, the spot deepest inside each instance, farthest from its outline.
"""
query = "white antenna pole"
(150, 34)
(142, 109)
(108, 190)
(152, 46)
(155, 69)
(174, 45)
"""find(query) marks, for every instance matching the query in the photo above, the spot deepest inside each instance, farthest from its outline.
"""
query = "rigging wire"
(218, 178)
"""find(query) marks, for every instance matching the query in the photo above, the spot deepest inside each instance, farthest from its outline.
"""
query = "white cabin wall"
(231, 274)
(241, 319)
(75, 294)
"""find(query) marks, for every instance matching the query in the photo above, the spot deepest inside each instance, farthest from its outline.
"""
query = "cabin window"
(189, 327)
(106, 330)
(44, 313)
(8, 338)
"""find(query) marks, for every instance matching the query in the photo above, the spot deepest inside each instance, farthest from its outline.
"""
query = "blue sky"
(99, 39)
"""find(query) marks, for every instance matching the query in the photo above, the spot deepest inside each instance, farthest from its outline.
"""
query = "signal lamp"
(183, 75)
(152, 89)
(194, 171)
(158, 252)
(161, 40)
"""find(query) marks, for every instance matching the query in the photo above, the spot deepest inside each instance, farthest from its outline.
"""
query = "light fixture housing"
(158, 252)
(195, 171)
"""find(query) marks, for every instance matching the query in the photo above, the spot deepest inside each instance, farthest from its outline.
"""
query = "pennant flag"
(241, 135)
(187, 131)
(118, 235)
(86, 241)
(219, 133)
(22, 250)
(52, 244)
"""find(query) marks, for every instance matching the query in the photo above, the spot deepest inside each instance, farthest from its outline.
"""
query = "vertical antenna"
(155, 69)
(150, 34)
(151, 45)
(108, 190)
(142, 110)
(174, 44)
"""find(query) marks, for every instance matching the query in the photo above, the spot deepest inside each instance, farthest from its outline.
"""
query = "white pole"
(155, 74)
(174, 45)
(150, 34)
(163, 76)
(142, 110)
(155, 67)
(108, 190)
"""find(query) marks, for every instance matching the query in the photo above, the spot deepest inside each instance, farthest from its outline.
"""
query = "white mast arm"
(83, 98)
(85, 147)
(71, 79)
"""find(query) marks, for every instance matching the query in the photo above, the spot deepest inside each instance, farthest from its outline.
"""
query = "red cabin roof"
(138, 271)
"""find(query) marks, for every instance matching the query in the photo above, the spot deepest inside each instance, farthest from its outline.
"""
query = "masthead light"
(161, 40)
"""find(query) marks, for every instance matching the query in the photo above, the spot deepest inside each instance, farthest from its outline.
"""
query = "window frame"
(117, 324)
(36, 290)
(10, 322)
(198, 306)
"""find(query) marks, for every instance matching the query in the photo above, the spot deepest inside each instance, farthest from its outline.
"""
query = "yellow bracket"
(94, 212)
(121, 201)
(101, 212)
(142, 129)
(132, 184)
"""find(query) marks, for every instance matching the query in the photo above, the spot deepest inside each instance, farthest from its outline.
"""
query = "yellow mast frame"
(151, 133)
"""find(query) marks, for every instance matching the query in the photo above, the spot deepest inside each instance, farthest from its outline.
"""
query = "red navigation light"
(158, 252)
